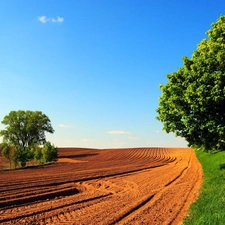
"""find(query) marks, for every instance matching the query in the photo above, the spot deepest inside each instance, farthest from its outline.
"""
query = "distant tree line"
(18, 156)
(24, 138)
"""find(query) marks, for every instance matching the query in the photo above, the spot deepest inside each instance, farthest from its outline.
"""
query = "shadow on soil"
(36, 166)
(77, 156)
(45, 196)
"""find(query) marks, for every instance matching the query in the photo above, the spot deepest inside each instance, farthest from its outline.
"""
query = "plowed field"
(113, 186)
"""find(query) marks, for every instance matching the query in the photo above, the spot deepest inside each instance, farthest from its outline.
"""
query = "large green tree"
(192, 102)
(24, 130)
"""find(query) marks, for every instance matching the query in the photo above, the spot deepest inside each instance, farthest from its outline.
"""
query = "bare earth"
(113, 186)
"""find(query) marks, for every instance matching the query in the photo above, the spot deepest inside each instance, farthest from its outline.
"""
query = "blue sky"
(94, 66)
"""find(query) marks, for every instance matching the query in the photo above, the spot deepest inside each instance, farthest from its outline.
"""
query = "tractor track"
(138, 186)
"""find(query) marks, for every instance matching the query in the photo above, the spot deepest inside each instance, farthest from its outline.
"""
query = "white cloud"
(157, 131)
(180, 138)
(118, 132)
(58, 20)
(65, 126)
(44, 19)
(85, 140)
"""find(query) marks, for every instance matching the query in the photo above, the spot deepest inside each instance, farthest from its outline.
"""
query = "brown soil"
(113, 186)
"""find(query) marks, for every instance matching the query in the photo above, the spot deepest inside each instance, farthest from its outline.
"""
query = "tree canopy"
(25, 128)
(192, 102)
(24, 131)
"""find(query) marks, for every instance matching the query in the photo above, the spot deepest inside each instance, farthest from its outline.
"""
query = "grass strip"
(209, 209)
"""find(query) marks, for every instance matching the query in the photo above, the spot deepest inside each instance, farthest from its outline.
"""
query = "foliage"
(49, 152)
(24, 132)
(192, 102)
(9, 154)
(26, 128)
(209, 208)
(5, 150)
(23, 155)
(38, 156)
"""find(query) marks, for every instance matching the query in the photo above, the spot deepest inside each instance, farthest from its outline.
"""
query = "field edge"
(209, 207)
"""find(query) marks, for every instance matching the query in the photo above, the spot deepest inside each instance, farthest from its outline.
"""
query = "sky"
(94, 66)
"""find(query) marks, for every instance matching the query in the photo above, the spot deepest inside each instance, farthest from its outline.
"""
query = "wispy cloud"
(65, 126)
(58, 20)
(118, 132)
(85, 140)
(44, 19)
(180, 138)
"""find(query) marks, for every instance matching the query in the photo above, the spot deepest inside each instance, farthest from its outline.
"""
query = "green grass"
(209, 209)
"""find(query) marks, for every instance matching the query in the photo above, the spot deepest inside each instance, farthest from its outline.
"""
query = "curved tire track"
(115, 186)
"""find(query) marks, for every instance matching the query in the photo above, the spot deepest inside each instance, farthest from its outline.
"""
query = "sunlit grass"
(209, 209)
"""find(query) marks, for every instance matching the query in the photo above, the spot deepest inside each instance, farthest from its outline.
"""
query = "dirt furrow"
(116, 186)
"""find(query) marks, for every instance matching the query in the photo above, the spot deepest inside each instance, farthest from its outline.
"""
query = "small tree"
(25, 129)
(23, 155)
(9, 152)
(49, 152)
(38, 155)
(6, 152)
